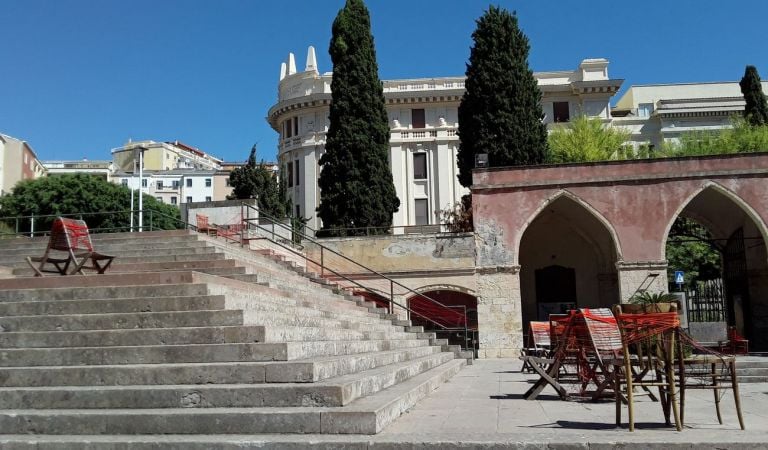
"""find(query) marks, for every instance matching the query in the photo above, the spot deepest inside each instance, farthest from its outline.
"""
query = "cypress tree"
(756, 110)
(356, 187)
(257, 181)
(500, 113)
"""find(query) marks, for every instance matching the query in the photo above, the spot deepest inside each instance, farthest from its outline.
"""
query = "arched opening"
(567, 260)
(451, 319)
(721, 251)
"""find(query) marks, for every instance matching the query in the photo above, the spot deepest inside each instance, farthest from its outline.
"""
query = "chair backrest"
(70, 234)
(603, 329)
(540, 334)
(202, 221)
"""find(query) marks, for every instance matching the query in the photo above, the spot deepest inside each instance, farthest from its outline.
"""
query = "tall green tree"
(258, 181)
(586, 139)
(756, 109)
(101, 203)
(356, 187)
(500, 113)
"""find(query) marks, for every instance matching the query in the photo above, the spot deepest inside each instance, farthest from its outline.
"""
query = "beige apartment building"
(17, 162)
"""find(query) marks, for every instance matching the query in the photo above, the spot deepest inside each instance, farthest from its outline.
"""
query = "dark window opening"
(421, 206)
(419, 166)
(562, 111)
(418, 119)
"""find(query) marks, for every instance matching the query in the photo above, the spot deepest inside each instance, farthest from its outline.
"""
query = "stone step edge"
(368, 415)
(338, 385)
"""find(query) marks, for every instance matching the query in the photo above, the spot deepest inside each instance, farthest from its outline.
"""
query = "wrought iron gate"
(735, 278)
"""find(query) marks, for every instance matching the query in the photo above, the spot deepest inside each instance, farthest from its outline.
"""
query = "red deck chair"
(735, 345)
(203, 226)
(71, 237)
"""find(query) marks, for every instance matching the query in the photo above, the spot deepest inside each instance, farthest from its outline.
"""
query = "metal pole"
(391, 295)
(32, 226)
(141, 181)
(132, 209)
(150, 220)
(322, 263)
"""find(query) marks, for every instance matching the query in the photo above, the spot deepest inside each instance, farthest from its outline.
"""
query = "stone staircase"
(187, 334)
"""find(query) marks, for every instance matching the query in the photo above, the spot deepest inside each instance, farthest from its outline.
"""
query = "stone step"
(339, 391)
(43, 240)
(188, 335)
(155, 354)
(111, 321)
(142, 255)
(109, 305)
(368, 415)
(235, 372)
(100, 292)
(753, 379)
(281, 317)
(212, 255)
(154, 266)
(115, 249)
(103, 243)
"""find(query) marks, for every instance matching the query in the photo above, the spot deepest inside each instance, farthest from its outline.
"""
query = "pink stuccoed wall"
(636, 200)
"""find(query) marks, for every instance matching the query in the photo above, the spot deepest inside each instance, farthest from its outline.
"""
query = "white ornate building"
(423, 121)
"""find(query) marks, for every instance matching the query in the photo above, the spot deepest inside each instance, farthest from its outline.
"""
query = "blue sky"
(80, 77)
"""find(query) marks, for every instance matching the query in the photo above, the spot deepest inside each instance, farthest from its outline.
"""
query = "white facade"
(423, 117)
(163, 156)
(102, 169)
(17, 162)
(173, 187)
(658, 113)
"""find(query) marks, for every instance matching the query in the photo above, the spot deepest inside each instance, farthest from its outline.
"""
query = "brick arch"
(444, 287)
(748, 210)
(562, 193)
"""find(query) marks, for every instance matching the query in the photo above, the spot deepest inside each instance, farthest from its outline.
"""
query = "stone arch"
(567, 252)
(717, 187)
(562, 193)
(739, 234)
(444, 287)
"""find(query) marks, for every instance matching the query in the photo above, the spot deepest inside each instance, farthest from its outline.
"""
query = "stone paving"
(482, 407)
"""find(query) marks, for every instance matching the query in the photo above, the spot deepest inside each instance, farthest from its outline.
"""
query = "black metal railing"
(356, 275)
(707, 303)
(40, 224)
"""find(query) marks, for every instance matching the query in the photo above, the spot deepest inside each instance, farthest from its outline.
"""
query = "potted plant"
(650, 302)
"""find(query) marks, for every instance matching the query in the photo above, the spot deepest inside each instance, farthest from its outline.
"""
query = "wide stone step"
(141, 254)
(154, 354)
(167, 257)
(164, 319)
(115, 249)
(153, 266)
(187, 335)
(336, 392)
(99, 292)
(366, 416)
(108, 305)
(102, 243)
(235, 372)
(268, 314)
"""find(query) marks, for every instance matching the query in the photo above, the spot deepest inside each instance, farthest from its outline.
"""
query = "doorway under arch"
(739, 240)
(460, 305)
(567, 260)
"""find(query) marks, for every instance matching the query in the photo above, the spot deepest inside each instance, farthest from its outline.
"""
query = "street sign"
(679, 279)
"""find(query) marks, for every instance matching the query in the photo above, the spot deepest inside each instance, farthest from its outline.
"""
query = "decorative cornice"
(497, 269)
(641, 265)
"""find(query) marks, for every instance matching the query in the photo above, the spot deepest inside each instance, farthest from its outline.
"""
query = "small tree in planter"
(650, 302)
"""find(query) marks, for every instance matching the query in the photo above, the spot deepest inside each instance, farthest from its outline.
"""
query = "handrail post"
(466, 328)
(322, 262)
(17, 225)
(392, 297)
(32, 226)
(150, 220)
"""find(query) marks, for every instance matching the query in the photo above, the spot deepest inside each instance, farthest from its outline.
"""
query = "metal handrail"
(32, 218)
(323, 267)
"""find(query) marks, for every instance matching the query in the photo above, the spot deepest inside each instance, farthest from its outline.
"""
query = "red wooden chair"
(735, 345)
(203, 226)
(70, 237)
